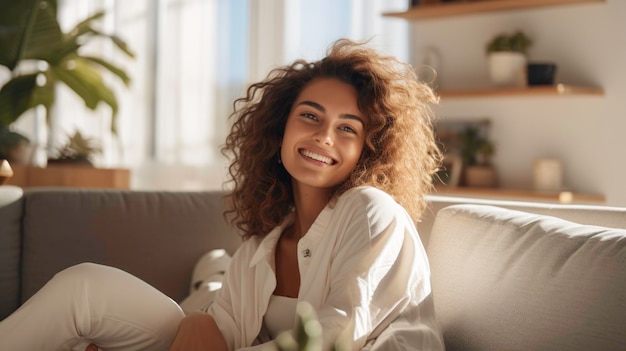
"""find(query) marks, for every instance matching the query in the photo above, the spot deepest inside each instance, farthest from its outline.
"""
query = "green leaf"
(121, 44)
(15, 98)
(84, 26)
(110, 67)
(15, 18)
(87, 83)
(45, 39)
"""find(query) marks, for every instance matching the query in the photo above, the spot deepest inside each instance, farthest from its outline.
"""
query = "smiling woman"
(330, 163)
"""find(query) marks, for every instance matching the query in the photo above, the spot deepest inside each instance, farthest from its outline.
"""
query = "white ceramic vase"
(507, 69)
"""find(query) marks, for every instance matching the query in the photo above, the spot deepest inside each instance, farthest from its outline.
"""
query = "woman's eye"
(309, 116)
(348, 129)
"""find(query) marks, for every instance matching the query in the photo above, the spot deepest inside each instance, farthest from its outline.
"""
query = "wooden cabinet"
(70, 176)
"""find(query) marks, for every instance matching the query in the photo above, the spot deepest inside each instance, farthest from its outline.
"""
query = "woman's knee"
(81, 272)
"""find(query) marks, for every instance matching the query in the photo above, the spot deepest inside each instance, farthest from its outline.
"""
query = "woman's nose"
(324, 136)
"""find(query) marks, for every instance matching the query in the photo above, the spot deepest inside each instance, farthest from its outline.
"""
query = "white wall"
(588, 42)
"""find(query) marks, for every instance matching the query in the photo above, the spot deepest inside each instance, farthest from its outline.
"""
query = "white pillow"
(206, 280)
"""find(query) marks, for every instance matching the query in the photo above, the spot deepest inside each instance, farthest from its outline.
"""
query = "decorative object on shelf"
(507, 60)
(548, 175)
(477, 151)
(78, 150)
(541, 73)
(468, 153)
(451, 169)
(413, 3)
(429, 66)
(6, 171)
(32, 37)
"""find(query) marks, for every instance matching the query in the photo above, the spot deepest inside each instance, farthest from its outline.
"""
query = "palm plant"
(39, 55)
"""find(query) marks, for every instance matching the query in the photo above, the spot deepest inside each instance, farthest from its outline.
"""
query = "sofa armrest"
(11, 207)
(511, 280)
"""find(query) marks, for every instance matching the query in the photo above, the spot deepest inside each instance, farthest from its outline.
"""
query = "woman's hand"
(198, 332)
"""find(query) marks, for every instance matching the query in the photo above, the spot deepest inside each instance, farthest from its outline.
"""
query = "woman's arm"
(199, 332)
(379, 268)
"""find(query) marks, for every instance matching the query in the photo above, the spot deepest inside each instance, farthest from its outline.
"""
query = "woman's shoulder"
(367, 196)
(378, 206)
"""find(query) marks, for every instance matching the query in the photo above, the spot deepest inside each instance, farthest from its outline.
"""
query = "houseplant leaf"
(15, 17)
(87, 83)
(15, 98)
(84, 28)
(110, 67)
(44, 39)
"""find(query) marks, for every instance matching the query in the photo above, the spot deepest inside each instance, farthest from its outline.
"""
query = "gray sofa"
(506, 275)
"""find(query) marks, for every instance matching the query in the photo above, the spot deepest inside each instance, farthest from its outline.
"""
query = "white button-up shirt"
(362, 267)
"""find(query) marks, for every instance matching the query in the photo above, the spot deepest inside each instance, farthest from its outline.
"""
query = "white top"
(280, 315)
(362, 267)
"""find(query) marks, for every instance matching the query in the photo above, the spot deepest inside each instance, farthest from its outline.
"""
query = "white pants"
(90, 303)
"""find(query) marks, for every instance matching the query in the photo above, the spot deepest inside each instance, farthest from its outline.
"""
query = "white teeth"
(317, 157)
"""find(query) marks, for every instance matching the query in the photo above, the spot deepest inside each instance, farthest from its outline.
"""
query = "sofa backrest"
(158, 235)
(11, 205)
(510, 280)
(606, 216)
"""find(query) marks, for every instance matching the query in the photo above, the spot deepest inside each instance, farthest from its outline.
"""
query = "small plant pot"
(480, 176)
(541, 73)
(507, 69)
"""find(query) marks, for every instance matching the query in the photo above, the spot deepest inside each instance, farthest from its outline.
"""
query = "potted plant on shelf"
(39, 55)
(78, 150)
(507, 59)
(476, 152)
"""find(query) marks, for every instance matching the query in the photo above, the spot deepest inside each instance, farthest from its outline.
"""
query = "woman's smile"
(318, 158)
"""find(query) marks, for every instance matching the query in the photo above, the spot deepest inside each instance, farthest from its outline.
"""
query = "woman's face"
(324, 134)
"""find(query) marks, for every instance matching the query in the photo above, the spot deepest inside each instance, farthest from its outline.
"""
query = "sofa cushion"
(510, 280)
(11, 204)
(157, 236)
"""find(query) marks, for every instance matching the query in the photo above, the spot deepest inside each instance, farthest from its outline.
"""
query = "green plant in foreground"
(307, 336)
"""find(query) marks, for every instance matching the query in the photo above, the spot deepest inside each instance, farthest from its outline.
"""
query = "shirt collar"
(268, 243)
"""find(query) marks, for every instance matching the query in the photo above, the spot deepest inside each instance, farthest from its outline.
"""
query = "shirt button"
(306, 253)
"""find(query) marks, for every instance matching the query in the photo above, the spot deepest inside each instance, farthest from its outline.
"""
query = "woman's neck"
(308, 203)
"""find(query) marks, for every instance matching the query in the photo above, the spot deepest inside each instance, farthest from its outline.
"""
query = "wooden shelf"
(70, 176)
(531, 91)
(521, 195)
(472, 7)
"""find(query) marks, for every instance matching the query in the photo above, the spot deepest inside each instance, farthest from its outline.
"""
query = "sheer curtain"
(189, 66)
(193, 59)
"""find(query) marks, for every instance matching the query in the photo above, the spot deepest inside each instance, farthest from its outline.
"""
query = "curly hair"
(400, 155)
